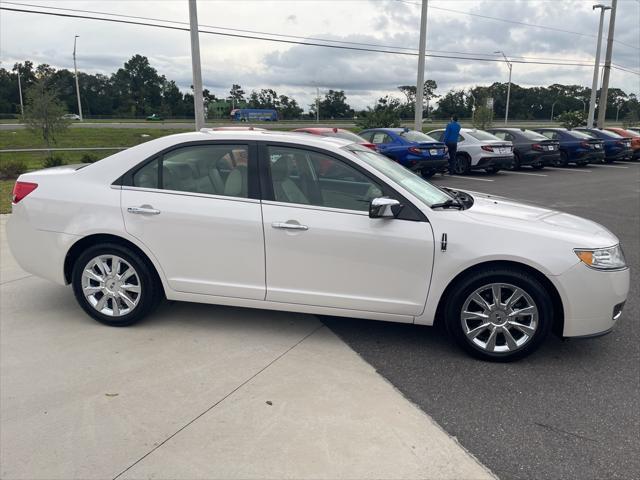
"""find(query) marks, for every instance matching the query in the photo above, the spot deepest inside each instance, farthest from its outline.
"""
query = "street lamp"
(594, 83)
(552, 107)
(510, 65)
(317, 101)
(75, 68)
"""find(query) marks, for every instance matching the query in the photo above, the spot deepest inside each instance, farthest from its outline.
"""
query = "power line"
(294, 36)
(292, 42)
(516, 22)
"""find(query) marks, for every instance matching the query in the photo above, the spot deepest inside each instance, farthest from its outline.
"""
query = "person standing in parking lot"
(450, 139)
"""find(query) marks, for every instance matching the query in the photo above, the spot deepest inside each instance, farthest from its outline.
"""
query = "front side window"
(311, 178)
(209, 169)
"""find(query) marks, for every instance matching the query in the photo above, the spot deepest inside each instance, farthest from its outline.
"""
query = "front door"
(192, 208)
(321, 246)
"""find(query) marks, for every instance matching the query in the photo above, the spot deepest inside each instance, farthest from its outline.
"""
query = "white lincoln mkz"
(318, 225)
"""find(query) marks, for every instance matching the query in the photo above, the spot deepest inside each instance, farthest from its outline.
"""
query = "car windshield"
(346, 135)
(530, 134)
(415, 136)
(482, 136)
(609, 134)
(414, 184)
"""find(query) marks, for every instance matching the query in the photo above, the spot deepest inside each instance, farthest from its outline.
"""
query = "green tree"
(288, 108)
(334, 105)
(137, 87)
(385, 114)
(43, 112)
(572, 119)
(482, 116)
(236, 94)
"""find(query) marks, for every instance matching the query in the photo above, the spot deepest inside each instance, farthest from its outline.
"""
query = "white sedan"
(479, 150)
(313, 224)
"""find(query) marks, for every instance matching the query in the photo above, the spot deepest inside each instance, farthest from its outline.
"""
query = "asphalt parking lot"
(570, 410)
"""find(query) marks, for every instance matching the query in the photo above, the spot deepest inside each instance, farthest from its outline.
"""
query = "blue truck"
(254, 115)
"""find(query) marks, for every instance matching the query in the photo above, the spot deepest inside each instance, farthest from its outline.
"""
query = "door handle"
(143, 210)
(289, 226)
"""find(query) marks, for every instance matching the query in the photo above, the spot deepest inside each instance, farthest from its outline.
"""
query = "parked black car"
(529, 147)
(575, 147)
(616, 147)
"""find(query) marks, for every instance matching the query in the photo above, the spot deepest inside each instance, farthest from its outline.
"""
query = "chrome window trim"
(316, 207)
(191, 194)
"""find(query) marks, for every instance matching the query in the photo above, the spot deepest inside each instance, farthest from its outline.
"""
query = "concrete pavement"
(198, 391)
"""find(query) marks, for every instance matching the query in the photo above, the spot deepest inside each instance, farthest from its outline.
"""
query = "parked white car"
(479, 150)
(71, 116)
(313, 224)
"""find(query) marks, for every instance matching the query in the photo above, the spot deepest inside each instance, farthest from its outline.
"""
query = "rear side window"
(481, 135)
(209, 169)
(380, 137)
(531, 135)
(550, 135)
(504, 136)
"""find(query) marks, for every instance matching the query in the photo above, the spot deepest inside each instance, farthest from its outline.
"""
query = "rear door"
(197, 209)
(322, 248)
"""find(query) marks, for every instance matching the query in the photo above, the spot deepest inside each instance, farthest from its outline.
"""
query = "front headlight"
(610, 258)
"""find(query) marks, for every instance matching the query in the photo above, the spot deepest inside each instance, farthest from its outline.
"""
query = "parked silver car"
(479, 150)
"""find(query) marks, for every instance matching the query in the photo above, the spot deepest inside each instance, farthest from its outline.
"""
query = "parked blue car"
(616, 147)
(412, 149)
(575, 147)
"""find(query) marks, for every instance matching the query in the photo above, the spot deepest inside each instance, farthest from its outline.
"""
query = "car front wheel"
(114, 285)
(499, 315)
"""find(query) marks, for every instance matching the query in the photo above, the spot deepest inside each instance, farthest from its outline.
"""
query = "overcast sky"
(295, 70)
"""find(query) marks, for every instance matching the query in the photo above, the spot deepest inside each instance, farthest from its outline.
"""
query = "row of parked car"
(496, 148)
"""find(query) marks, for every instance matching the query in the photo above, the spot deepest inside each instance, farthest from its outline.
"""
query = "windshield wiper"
(451, 203)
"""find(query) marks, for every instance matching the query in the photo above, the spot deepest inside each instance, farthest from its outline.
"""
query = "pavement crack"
(218, 402)
(565, 432)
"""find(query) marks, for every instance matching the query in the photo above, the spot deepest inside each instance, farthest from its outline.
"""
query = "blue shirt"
(452, 132)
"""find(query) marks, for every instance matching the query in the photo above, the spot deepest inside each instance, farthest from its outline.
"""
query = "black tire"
(563, 161)
(427, 173)
(516, 162)
(492, 169)
(512, 276)
(151, 291)
(538, 166)
(582, 164)
(463, 164)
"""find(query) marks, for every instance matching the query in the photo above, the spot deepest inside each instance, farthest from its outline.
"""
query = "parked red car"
(634, 136)
(336, 132)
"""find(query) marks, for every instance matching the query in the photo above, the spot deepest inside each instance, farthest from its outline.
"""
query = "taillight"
(537, 146)
(372, 146)
(415, 150)
(487, 148)
(21, 190)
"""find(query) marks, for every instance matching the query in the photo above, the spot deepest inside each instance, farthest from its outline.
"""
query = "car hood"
(507, 213)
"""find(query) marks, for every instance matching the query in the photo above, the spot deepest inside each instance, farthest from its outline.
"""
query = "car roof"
(557, 129)
(321, 129)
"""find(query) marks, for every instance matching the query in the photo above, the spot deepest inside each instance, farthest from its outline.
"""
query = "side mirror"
(384, 207)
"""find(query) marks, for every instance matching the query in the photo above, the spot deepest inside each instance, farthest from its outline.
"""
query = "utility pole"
(421, 58)
(198, 101)
(607, 65)
(552, 107)
(20, 92)
(75, 68)
(596, 66)
(510, 65)
(317, 104)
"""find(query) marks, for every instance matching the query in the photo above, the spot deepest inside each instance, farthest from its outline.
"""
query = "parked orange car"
(634, 136)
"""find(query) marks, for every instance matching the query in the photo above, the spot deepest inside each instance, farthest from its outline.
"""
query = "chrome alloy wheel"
(111, 285)
(499, 318)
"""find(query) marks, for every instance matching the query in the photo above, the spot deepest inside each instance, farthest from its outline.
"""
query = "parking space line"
(527, 173)
(570, 170)
(628, 163)
(463, 177)
(608, 166)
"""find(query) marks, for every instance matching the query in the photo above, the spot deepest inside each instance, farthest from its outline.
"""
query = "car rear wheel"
(114, 285)
(427, 173)
(563, 161)
(492, 169)
(516, 162)
(499, 315)
(463, 164)
(537, 166)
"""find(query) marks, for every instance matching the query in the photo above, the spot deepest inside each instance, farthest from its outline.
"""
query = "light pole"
(552, 107)
(510, 65)
(422, 49)
(20, 92)
(584, 105)
(198, 101)
(75, 68)
(317, 104)
(596, 66)
(607, 65)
